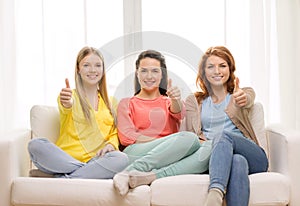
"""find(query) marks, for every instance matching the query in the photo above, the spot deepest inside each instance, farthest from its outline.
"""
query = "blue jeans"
(50, 159)
(233, 158)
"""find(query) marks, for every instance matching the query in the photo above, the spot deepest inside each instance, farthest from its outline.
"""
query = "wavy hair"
(201, 80)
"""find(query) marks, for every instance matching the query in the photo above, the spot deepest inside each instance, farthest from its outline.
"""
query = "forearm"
(176, 106)
(144, 139)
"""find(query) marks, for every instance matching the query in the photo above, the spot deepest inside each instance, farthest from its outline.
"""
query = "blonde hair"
(102, 88)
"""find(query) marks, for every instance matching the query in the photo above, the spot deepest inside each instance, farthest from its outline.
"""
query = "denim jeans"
(233, 158)
(50, 159)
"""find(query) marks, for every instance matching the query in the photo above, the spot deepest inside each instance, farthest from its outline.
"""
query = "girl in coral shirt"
(148, 126)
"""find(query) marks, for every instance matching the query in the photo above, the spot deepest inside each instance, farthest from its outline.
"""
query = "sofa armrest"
(14, 160)
(284, 157)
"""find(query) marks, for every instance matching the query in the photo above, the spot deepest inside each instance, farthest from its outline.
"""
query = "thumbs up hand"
(66, 95)
(239, 96)
(173, 92)
(175, 95)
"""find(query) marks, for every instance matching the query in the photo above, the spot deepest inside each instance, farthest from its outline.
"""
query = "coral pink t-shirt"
(151, 118)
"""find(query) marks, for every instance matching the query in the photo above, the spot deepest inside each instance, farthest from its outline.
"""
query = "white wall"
(7, 66)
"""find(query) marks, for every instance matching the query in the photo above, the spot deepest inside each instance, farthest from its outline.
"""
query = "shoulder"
(128, 102)
(114, 102)
(191, 98)
(191, 101)
(125, 101)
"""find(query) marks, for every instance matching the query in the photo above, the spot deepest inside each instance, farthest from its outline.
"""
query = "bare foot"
(137, 178)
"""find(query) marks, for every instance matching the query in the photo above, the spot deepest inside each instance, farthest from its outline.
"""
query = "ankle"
(121, 182)
(214, 197)
(217, 190)
(137, 178)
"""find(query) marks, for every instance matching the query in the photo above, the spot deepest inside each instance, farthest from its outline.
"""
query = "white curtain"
(39, 44)
(40, 40)
(274, 59)
(8, 92)
(288, 27)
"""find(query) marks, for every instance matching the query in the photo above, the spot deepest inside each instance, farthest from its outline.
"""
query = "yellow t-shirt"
(80, 139)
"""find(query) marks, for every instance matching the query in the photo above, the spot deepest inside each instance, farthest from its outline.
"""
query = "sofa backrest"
(44, 122)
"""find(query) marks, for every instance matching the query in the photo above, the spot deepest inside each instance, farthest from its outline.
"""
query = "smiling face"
(149, 74)
(91, 69)
(217, 71)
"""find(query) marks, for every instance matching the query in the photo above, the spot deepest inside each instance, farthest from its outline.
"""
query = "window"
(182, 45)
(51, 33)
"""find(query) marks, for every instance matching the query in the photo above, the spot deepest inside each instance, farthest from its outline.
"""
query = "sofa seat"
(266, 189)
(74, 192)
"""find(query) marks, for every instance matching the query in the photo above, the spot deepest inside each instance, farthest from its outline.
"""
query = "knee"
(225, 138)
(124, 158)
(240, 164)
(189, 141)
(193, 138)
(121, 157)
(185, 138)
(189, 135)
(35, 145)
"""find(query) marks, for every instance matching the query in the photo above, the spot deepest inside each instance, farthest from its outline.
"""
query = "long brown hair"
(102, 88)
(154, 55)
(201, 80)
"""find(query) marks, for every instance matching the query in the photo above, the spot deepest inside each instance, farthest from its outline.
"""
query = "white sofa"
(279, 186)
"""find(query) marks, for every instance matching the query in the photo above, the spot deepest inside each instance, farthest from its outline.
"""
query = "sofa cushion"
(72, 192)
(180, 190)
(44, 122)
(265, 189)
(269, 188)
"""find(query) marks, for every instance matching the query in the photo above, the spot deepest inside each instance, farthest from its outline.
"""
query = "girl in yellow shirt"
(88, 143)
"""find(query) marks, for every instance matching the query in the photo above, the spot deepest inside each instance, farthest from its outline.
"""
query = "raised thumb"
(236, 84)
(67, 83)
